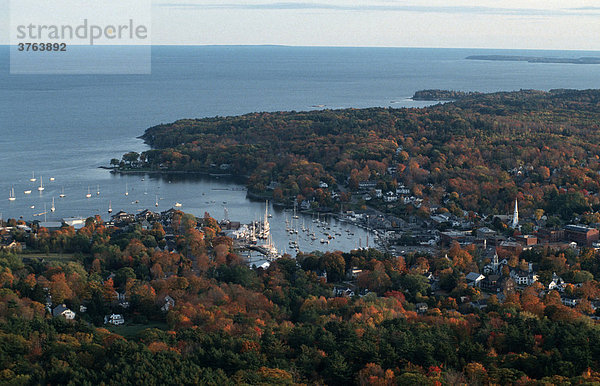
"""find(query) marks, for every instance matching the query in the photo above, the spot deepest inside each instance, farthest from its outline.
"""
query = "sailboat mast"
(266, 223)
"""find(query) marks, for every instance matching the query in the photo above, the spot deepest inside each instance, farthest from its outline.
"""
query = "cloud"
(481, 10)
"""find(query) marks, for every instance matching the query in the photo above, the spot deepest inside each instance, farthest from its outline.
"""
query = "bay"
(65, 126)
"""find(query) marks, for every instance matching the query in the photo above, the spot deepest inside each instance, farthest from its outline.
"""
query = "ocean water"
(65, 126)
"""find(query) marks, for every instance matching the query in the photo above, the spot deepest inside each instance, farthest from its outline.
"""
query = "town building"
(582, 235)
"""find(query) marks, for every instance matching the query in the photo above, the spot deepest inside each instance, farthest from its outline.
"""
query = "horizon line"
(327, 46)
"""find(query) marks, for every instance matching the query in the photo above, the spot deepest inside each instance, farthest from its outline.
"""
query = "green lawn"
(131, 330)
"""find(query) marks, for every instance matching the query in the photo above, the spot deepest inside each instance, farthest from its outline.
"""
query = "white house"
(63, 311)
(474, 278)
(421, 308)
(523, 278)
(557, 283)
(390, 197)
(114, 319)
(169, 303)
(402, 190)
(342, 292)
(569, 302)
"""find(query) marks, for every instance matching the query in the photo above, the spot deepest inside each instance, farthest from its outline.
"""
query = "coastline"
(170, 172)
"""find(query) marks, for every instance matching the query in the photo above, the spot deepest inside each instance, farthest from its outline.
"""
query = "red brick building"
(582, 235)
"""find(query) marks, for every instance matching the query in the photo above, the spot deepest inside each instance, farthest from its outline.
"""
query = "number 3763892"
(42, 47)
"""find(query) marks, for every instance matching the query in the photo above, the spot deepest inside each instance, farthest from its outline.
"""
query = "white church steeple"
(515, 220)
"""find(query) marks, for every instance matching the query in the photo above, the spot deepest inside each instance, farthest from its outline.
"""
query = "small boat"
(88, 195)
(41, 187)
(32, 206)
(177, 205)
(126, 190)
(110, 207)
(27, 192)
(11, 196)
(62, 194)
(33, 179)
(98, 190)
(51, 178)
(52, 208)
(156, 203)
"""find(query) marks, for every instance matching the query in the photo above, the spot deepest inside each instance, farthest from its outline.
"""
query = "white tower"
(495, 262)
(515, 220)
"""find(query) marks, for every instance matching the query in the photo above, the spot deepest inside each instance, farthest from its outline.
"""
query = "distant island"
(439, 95)
(535, 59)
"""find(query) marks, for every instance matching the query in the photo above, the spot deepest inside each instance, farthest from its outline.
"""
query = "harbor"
(223, 198)
(301, 233)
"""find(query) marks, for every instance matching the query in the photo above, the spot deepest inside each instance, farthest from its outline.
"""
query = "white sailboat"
(62, 193)
(97, 190)
(156, 203)
(41, 187)
(266, 228)
(33, 179)
(88, 195)
(11, 196)
(52, 208)
(109, 206)
(126, 190)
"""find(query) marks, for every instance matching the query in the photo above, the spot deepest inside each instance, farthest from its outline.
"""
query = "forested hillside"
(229, 324)
(481, 151)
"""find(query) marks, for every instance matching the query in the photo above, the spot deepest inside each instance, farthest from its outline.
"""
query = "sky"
(530, 24)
